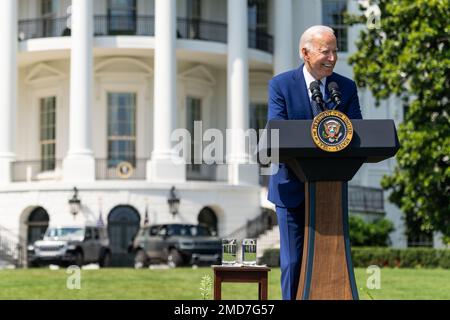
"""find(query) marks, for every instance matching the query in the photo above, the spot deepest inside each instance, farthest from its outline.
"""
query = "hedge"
(383, 257)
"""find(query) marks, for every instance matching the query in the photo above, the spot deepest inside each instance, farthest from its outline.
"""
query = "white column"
(283, 40)
(79, 163)
(8, 86)
(238, 93)
(161, 167)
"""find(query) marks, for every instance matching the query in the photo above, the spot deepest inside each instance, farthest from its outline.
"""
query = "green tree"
(371, 234)
(408, 55)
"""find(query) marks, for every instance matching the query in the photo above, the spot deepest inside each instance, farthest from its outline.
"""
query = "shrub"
(271, 257)
(419, 257)
(444, 259)
(369, 234)
(383, 257)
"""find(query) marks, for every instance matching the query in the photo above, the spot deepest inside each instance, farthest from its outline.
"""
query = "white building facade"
(91, 92)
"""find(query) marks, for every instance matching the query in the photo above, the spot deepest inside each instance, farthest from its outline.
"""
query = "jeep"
(70, 245)
(175, 244)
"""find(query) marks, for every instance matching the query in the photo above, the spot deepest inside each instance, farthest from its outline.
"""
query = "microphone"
(316, 94)
(335, 94)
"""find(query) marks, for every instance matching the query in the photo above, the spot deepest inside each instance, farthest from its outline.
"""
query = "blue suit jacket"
(289, 100)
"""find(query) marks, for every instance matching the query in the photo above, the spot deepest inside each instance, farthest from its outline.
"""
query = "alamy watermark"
(373, 14)
(74, 280)
(374, 280)
(212, 147)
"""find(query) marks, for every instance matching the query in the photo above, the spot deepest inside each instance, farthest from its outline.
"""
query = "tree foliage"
(370, 234)
(408, 56)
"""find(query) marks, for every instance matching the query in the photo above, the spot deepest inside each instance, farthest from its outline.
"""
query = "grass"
(184, 284)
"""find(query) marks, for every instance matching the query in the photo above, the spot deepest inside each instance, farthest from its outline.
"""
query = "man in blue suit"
(289, 99)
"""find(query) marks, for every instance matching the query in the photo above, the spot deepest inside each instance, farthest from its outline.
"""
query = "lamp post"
(75, 203)
(173, 201)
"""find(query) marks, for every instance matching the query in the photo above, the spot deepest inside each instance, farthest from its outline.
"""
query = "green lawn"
(184, 283)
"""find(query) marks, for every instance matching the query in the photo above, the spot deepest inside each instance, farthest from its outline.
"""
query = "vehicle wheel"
(105, 260)
(79, 259)
(140, 260)
(174, 259)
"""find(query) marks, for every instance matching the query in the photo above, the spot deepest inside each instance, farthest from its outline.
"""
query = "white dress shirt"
(309, 78)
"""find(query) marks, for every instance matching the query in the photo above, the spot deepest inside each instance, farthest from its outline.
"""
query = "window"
(96, 233)
(88, 234)
(193, 14)
(194, 9)
(333, 16)
(121, 17)
(47, 135)
(257, 23)
(48, 8)
(193, 113)
(48, 14)
(257, 15)
(121, 128)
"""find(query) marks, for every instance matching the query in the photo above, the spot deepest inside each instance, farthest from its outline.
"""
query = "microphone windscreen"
(314, 85)
(333, 86)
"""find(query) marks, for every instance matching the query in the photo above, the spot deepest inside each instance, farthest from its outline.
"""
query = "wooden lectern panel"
(327, 271)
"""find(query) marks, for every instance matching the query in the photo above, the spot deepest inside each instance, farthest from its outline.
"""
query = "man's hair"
(308, 36)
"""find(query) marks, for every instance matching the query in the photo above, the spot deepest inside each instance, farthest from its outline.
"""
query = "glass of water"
(229, 249)
(249, 252)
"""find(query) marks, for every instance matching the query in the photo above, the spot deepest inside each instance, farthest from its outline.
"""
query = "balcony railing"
(104, 25)
(36, 170)
(136, 169)
(365, 199)
(205, 172)
(201, 30)
(13, 248)
(124, 25)
(43, 28)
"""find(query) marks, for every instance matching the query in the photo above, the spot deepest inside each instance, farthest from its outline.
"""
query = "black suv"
(175, 244)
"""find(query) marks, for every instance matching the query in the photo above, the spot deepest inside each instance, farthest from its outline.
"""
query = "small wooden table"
(240, 274)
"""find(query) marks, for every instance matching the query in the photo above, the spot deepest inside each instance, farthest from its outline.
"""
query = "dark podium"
(327, 269)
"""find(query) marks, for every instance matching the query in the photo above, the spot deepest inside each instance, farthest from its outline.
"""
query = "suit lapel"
(305, 102)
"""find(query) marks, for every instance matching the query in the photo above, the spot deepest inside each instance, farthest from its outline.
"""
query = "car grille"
(51, 248)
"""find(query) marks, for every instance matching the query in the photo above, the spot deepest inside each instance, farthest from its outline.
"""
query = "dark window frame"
(335, 20)
(122, 24)
(114, 139)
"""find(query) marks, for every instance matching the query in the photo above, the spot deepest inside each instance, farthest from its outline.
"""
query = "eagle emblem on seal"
(331, 131)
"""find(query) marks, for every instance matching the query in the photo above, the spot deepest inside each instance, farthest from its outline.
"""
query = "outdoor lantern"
(173, 201)
(75, 203)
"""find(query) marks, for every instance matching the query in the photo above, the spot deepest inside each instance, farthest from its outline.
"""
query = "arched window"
(37, 224)
(207, 217)
(123, 225)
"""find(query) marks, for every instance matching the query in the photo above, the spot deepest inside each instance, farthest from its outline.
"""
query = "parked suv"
(71, 245)
(175, 244)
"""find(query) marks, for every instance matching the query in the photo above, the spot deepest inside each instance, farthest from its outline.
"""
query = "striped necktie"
(314, 106)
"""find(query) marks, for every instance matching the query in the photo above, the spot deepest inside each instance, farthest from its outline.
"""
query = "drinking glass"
(229, 249)
(249, 252)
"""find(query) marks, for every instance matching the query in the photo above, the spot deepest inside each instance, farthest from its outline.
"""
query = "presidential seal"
(124, 170)
(332, 131)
